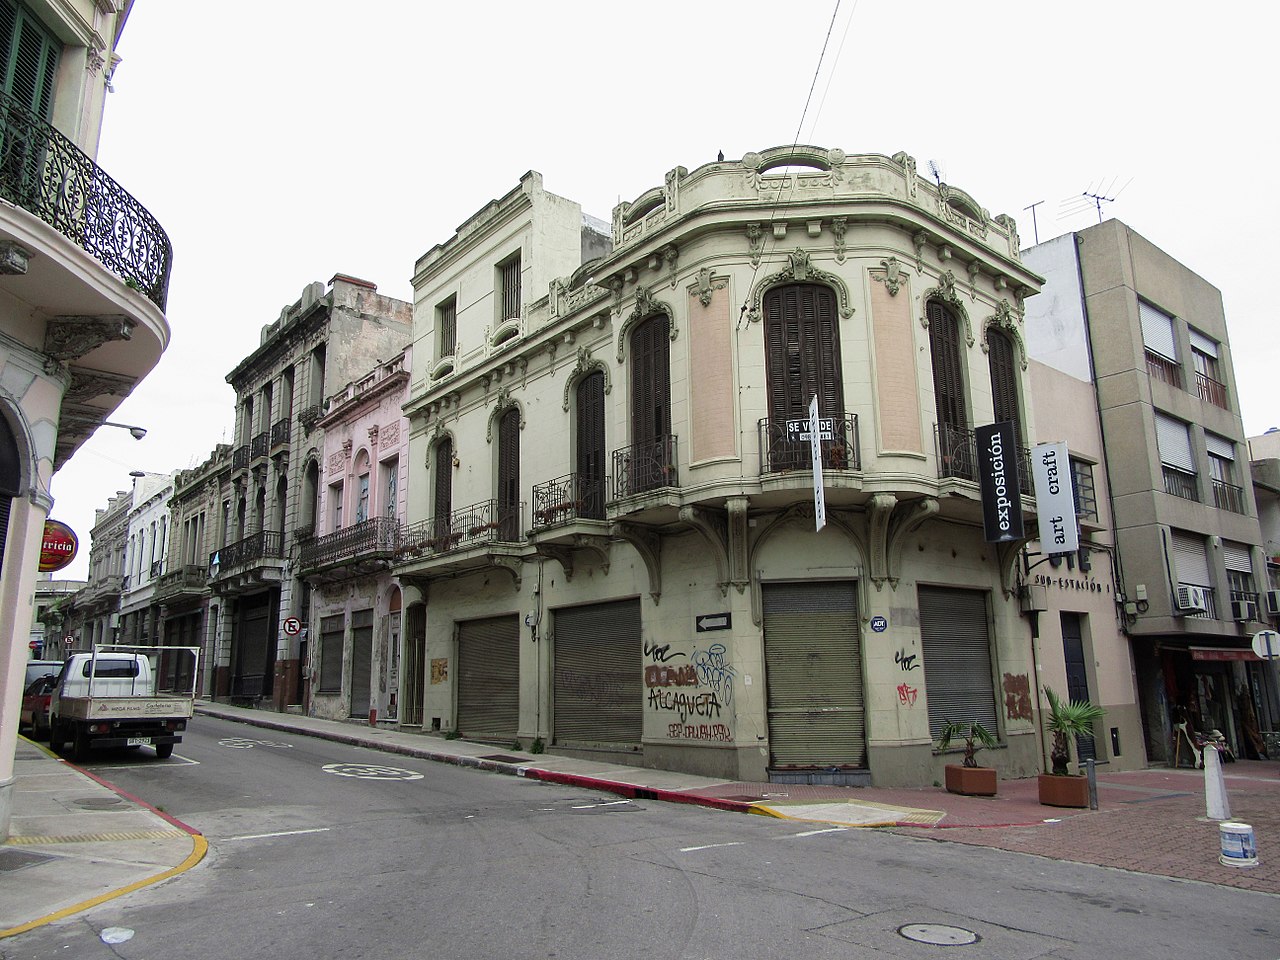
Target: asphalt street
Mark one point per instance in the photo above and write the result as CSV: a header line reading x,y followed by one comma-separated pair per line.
x,y
323,850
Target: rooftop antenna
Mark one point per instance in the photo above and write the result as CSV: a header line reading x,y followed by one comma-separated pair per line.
x,y
1034,226
1098,200
936,171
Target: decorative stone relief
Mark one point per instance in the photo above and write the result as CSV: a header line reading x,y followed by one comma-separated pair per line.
x,y
755,242
1006,320
14,259
389,435
838,227
87,384
69,338
581,368
671,256
909,172
800,269
946,292
891,276
646,306
1011,230
918,240
373,436
707,282
501,404
973,269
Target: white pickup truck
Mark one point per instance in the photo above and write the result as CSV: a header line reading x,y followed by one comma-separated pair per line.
x,y
113,697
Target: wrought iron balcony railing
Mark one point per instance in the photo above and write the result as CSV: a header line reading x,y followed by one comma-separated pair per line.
x,y
484,522
1227,496
649,465
1181,483
47,175
264,545
377,535
308,417
958,457
240,457
1210,603
574,497
784,444
185,578
280,432
1211,390
258,446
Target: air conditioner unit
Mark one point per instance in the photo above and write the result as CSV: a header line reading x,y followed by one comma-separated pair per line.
x,y
1191,599
1273,603
1244,610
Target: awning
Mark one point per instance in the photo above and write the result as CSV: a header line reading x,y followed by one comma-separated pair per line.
x,y
1223,653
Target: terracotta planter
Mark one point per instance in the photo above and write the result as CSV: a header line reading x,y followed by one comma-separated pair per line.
x,y
971,781
1064,791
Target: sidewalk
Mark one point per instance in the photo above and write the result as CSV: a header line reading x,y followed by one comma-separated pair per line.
x,y
75,834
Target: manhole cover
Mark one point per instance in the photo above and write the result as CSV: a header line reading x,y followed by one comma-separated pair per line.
x,y
11,860
939,934
98,803
503,758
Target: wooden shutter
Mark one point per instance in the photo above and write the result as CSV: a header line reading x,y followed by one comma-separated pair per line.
x,y
444,485
956,647
599,696
651,379
361,662
414,667
509,475
802,352
591,445
948,378
30,54
331,636
1004,379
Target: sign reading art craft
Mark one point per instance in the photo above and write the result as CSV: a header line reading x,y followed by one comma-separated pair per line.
x,y
58,547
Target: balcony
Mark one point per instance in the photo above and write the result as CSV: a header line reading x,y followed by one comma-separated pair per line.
x,y
476,525
1162,368
156,567
1211,390
359,550
1181,483
240,457
566,499
1210,603
187,580
258,447
958,458
785,446
280,433
310,416
51,178
1227,496
646,466
247,563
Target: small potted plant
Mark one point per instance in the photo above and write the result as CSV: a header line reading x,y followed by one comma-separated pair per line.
x,y
1067,719
967,777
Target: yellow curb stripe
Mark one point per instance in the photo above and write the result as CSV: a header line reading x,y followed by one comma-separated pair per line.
x,y
199,847
98,837
767,811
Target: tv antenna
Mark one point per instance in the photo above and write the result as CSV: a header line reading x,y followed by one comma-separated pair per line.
x,y
1034,226
1098,200
936,171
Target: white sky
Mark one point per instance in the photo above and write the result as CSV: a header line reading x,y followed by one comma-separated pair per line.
x,y
304,140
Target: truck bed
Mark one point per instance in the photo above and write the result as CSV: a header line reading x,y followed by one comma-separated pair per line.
x,y
117,708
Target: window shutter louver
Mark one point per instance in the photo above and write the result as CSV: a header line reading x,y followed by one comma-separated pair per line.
x,y
1202,343
1157,331
509,475
802,351
444,485
1175,443
591,444
1219,446
651,380
1004,380
1189,559
948,382
1236,556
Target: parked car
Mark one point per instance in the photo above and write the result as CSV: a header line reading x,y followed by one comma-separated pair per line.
x,y
41,668
35,706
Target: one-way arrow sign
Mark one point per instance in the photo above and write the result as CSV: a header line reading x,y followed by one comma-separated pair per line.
x,y
712,621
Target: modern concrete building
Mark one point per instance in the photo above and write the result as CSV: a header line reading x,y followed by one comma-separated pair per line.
x,y
84,275
331,336
1151,337
354,635
615,548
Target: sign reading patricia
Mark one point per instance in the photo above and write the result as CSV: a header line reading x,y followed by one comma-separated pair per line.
x,y
58,547
998,479
1055,499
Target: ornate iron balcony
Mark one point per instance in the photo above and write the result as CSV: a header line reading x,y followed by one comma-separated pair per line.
x,y
649,465
280,432
568,498
958,457
47,175
258,446
267,544
484,522
784,444
375,535
308,417
240,457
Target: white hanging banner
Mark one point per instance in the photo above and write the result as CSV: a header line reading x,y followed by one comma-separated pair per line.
x,y
815,452
1055,498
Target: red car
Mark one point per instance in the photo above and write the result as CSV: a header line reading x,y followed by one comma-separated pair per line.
x,y
35,705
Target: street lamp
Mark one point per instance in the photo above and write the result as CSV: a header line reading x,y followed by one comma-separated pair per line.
x,y
136,432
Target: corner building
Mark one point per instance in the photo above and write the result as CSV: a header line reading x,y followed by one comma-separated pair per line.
x,y
612,547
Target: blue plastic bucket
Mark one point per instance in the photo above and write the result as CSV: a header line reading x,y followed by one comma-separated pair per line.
x,y
1238,846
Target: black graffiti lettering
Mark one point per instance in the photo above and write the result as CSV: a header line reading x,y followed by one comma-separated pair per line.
x,y
905,660
685,705
660,654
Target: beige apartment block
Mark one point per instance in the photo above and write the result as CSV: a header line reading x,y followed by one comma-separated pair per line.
x,y
613,545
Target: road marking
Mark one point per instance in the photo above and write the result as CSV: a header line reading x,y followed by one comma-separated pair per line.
x,y
370,771
592,806
711,846
282,833
814,833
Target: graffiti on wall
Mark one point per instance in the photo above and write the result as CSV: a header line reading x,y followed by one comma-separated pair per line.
x,y
908,694
660,675
714,671
660,654
685,705
699,688
1017,696
905,660
704,731
604,686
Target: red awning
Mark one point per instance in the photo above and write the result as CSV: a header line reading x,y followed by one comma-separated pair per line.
x,y
1223,653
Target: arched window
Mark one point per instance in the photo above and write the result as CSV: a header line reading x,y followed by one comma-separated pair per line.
x,y
1004,379
509,475
650,462
955,448
802,360
590,445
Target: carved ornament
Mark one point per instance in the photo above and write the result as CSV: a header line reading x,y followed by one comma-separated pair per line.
x,y
800,269
581,368
69,338
646,306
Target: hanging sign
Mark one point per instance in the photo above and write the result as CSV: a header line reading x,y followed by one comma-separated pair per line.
x,y
815,451
1055,499
58,547
998,479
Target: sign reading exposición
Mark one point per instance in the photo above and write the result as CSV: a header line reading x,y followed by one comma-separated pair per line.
x,y
998,479
58,547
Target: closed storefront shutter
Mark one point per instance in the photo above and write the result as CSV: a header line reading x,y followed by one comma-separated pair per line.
x,y
331,633
956,645
599,693
414,666
489,678
1189,559
361,661
813,664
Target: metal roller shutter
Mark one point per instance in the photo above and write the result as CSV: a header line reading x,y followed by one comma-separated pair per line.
x,y
489,678
1189,559
1235,556
599,669
1202,343
1157,331
361,662
956,646
1219,446
1175,443
813,666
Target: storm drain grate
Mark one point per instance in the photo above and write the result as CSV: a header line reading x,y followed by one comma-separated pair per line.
x,y
503,758
11,860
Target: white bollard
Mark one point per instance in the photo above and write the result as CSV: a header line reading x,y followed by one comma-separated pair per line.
x,y
1217,807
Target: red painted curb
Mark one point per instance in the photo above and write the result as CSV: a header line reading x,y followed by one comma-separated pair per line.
x,y
632,791
130,797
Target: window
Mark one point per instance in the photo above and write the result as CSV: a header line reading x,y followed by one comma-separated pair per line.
x,y
509,475
447,325
509,289
802,360
331,643
1192,568
390,479
1204,357
1159,345
1086,501
956,454
648,464
30,59
444,486
335,497
1004,379
362,498
1177,460
1227,494
1236,557
590,443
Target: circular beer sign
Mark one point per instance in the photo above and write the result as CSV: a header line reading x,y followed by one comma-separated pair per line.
x,y
59,546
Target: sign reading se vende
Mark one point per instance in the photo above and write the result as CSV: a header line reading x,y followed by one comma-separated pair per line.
x,y
58,547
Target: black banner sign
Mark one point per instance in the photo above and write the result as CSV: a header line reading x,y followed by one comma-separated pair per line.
x,y
998,477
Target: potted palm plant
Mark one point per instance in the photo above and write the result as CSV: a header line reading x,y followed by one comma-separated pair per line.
x,y
1067,719
967,777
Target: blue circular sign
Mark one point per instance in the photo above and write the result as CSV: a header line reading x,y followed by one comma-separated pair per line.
x,y
879,624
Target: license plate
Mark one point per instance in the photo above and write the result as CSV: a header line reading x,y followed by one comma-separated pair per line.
x,y
138,742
